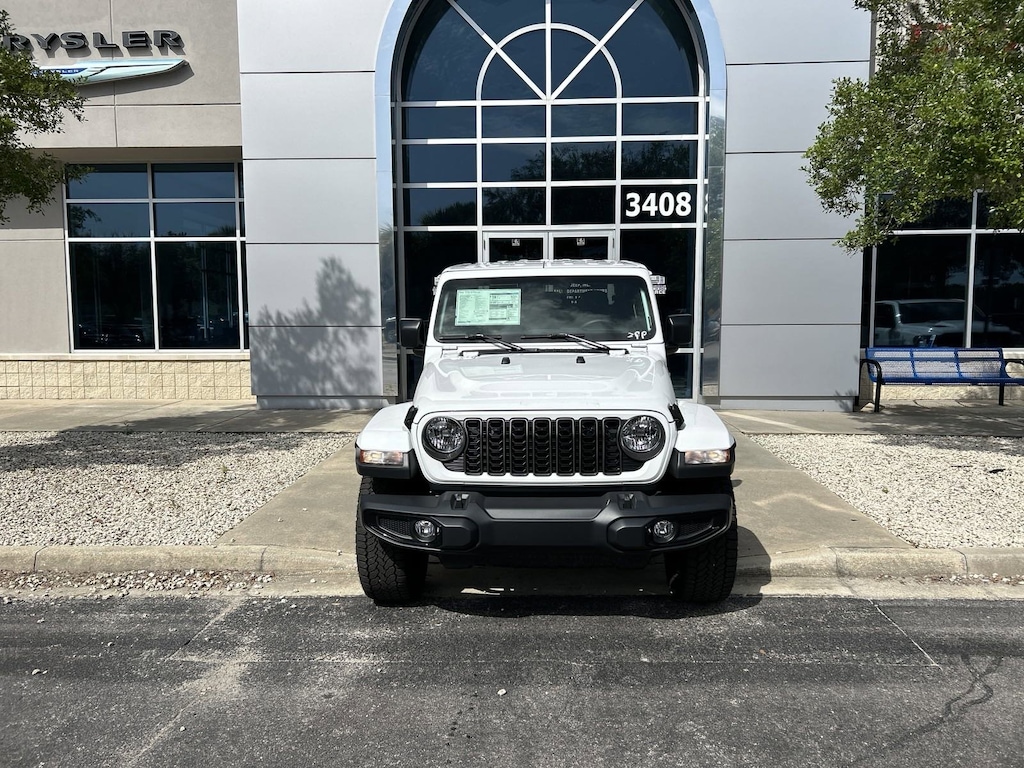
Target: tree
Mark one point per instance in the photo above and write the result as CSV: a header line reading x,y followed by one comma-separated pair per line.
x,y
32,102
941,116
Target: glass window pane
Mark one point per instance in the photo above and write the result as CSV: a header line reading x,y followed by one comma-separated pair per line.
x,y
515,248
444,57
999,291
580,247
527,51
425,163
514,206
922,284
583,162
195,219
659,119
582,205
108,220
513,122
513,162
567,51
503,82
194,180
111,182
949,214
670,253
583,120
197,286
112,295
426,254
500,18
439,122
595,81
595,18
659,160
654,52
440,207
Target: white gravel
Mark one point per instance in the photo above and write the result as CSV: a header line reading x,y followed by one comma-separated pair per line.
x,y
144,488
930,491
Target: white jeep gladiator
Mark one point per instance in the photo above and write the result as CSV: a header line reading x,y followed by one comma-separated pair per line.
x,y
544,430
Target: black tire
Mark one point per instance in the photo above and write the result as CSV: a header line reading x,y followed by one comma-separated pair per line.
x,y
705,573
389,575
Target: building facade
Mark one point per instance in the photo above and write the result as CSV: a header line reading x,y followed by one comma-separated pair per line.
x,y
254,218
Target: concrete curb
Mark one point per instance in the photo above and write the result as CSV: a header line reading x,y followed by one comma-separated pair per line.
x,y
875,562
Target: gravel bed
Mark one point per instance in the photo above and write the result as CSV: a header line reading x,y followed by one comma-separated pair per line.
x,y
144,488
933,492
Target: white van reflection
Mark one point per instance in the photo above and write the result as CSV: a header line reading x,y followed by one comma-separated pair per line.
x,y
936,323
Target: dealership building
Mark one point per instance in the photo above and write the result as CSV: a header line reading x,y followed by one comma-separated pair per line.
x,y
268,185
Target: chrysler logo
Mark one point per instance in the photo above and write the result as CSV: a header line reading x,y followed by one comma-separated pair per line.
x,y
108,70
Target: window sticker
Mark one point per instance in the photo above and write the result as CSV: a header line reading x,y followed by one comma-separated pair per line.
x,y
488,306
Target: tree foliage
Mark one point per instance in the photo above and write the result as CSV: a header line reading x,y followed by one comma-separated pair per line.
x,y
941,117
31,103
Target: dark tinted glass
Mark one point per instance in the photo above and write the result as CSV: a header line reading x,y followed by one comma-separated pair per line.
x,y
583,162
502,82
580,247
439,122
108,220
527,51
659,119
659,159
949,214
513,162
654,52
582,205
198,295
670,253
444,57
111,182
515,248
439,207
593,17
112,295
680,368
583,120
595,81
426,254
924,280
511,206
195,219
999,292
513,122
500,18
195,180
424,163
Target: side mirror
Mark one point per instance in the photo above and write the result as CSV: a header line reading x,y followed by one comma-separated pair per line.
x,y
679,331
411,333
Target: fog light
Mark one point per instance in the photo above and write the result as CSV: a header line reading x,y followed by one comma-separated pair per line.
x,y
425,530
663,531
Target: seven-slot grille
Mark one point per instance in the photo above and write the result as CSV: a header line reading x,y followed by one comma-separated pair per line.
x,y
543,447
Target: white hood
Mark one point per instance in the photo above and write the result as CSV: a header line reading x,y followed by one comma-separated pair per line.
x,y
556,382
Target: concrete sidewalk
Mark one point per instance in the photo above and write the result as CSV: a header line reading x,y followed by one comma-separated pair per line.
x,y
790,526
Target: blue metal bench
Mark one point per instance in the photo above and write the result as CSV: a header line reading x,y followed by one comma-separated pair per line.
x,y
937,365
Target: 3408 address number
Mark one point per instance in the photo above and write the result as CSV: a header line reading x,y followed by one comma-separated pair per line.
x,y
664,204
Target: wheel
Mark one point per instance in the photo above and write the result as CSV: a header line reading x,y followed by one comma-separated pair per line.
x,y
388,574
705,573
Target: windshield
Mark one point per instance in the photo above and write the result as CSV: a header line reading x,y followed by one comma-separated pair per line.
x,y
604,308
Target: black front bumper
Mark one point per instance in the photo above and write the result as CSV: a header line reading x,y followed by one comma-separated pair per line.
x,y
479,527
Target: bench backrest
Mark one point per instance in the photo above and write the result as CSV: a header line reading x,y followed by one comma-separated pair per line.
x,y
936,363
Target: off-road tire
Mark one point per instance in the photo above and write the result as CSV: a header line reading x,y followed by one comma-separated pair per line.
x,y
388,574
705,573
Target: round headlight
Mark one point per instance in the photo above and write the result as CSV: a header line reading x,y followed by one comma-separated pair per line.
x,y
642,437
444,438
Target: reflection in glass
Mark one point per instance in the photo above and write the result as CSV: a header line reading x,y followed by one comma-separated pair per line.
x,y
655,53
670,253
594,81
527,51
595,18
659,119
112,295
111,182
921,291
440,207
999,291
195,180
108,220
509,206
195,219
515,248
426,255
659,159
443,57
513,162
583,161
500,18
583,120
680,368
513,122
949,214
503,82
198,295
439,122
423,163
581,247
582,205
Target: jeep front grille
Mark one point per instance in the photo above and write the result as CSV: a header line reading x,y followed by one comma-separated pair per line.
x,y
543,447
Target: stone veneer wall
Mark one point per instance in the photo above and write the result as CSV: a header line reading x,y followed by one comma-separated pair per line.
x,y
55,377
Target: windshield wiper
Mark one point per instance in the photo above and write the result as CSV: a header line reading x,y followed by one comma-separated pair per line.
x,y
496,340
570,337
